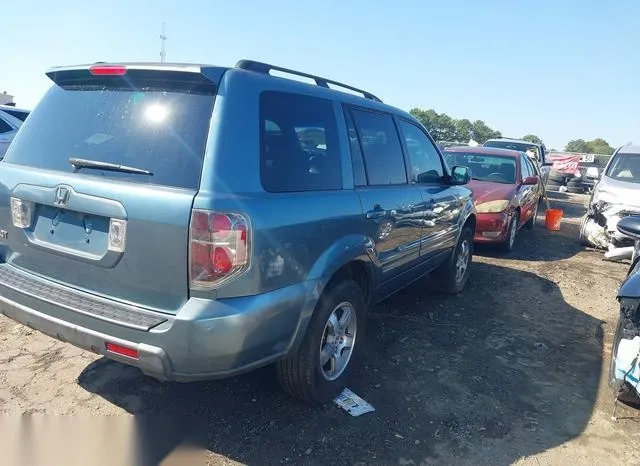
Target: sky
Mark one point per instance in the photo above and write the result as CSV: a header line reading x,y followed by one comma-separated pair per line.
x,y
560,69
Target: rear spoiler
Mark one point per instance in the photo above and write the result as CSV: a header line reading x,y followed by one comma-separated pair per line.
x,y
191,78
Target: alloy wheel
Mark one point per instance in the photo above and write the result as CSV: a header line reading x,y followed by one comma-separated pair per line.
x,y
338,340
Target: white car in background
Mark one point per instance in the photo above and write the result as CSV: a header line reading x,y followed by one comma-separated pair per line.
x,y
620,180
11,119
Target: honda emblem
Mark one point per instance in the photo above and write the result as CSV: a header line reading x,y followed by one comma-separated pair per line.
x,y
62,196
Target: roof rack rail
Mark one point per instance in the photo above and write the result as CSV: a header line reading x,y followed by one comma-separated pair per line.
x,y
264,68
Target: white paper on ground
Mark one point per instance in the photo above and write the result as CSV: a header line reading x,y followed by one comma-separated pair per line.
x,y
352,403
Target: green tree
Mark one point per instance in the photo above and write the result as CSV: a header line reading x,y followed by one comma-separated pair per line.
x,y
577,145
600,146
464,130
481,132
532,138
440,125
597,146
444,128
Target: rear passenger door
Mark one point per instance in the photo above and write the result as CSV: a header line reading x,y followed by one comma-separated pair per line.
x,y
393,207
426,169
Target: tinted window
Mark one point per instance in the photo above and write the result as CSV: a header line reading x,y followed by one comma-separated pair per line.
x,y
156,130
359,172
17,114
425,163
299,143
381,146
4,126
485,167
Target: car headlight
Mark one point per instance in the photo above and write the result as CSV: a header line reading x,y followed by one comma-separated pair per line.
x,y
492,207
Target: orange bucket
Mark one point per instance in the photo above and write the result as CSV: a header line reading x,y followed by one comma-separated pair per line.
x,y
553,219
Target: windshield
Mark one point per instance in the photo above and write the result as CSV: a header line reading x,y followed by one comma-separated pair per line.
x,y
156,130
493,168
625,167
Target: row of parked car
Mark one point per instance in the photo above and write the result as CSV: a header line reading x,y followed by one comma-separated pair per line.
x,y
199,221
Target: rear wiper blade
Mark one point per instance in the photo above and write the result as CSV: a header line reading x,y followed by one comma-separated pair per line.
x,y
84,163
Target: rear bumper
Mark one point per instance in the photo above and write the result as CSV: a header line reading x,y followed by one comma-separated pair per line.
x,y
206,339
491,228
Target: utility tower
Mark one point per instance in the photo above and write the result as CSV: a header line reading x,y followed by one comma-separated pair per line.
x,y
163,38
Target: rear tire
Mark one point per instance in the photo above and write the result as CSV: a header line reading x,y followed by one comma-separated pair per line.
x,y
302,374
453,275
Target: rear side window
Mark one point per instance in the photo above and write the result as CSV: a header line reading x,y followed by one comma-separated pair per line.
x,y
157,130
4,126
299,148
381,146
17,114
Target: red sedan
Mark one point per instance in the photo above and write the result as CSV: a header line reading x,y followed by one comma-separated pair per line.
x,y
506,188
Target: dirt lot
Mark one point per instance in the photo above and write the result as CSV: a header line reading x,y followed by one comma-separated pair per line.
x,y
512,371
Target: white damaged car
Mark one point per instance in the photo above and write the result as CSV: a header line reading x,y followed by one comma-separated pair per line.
x,y
615,195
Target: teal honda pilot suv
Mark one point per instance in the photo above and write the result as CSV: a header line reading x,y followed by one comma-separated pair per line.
x,y
201,221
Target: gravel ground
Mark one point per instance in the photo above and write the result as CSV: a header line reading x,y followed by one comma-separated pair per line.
x,y
511,371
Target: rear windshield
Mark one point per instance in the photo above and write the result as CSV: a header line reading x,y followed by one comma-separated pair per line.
x,y
155,130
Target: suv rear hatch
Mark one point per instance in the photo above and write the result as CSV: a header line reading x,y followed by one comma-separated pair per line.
x,y
101,179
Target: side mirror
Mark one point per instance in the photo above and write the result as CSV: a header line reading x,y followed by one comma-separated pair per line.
x,y
630,226
460,175
530,181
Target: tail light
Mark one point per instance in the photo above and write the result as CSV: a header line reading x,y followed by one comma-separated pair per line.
x,y
219,247
21,212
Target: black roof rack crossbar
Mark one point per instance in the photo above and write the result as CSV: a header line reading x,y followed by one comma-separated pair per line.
x,y
259,67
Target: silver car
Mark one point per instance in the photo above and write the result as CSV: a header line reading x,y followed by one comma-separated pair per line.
x,y
620,180
11,119
615,195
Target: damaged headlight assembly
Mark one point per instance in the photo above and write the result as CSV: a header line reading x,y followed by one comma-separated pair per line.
x,y
601,228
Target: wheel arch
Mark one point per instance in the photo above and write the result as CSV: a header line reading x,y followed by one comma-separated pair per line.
x,y
348,258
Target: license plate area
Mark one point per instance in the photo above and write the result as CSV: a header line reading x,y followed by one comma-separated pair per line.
x,y
70,231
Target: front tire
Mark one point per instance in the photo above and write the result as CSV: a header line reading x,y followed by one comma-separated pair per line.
x,y
510,241
318,371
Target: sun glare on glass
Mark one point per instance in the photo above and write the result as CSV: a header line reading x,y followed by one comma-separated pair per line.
x,y
156,113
